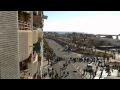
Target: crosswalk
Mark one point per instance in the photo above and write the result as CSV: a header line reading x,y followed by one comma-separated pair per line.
x,y
77,68
80,71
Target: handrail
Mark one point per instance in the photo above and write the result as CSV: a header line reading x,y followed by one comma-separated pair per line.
x,y
23,25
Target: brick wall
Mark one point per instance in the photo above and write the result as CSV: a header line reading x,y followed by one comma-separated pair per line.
x,y
9,56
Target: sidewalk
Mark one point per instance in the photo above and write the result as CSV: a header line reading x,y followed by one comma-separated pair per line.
x,y
45,69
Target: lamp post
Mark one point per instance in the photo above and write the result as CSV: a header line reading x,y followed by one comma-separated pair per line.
x,y
60,71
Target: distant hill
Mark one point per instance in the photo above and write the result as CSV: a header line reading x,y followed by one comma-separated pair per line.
x,y
61,32
67,32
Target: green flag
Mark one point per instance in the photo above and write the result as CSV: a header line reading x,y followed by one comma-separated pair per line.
x,y
36,47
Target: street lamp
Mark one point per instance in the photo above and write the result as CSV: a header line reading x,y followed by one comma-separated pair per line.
x,y
60,71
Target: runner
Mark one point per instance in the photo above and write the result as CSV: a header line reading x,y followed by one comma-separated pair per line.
x,y
63,73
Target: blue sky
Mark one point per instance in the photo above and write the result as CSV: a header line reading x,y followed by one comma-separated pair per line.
x,y
96,22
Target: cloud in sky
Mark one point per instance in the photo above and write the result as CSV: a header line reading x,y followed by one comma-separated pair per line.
x,y
96,24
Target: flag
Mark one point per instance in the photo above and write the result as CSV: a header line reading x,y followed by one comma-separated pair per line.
x,y
36,47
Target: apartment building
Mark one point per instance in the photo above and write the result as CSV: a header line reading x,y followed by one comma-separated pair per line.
x,y
20,32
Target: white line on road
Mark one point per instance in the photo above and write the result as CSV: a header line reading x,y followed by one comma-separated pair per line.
x,y
77,67
76,70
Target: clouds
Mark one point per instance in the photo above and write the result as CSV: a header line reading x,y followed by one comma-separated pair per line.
x,y
103,24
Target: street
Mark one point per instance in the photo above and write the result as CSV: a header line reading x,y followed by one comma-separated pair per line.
x,y
58,50
77,69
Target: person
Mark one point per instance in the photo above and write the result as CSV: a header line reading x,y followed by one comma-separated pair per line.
x,y
64,73
30,76
52,69
118,67
48,70
49,74
118,72
84,72
67,73
57,74
44,75
64,65
115,66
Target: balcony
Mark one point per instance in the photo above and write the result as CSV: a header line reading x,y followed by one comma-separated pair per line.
x,y
37,20
23,25
25,41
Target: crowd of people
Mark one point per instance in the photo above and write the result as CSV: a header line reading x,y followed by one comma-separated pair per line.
x,y
98,62
51,72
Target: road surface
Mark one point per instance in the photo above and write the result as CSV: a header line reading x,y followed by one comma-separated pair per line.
x,y
58,50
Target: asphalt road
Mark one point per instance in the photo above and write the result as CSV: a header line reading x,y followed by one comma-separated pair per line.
x,y
77,66
70,68
59,52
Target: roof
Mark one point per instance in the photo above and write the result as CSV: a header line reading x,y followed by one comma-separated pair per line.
x,y
111,77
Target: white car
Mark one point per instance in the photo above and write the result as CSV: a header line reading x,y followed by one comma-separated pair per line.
x,y
96,77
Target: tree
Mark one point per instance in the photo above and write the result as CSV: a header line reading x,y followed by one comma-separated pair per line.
x,y
49,51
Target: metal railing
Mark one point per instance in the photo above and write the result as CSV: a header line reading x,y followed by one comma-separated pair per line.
x,y
23,25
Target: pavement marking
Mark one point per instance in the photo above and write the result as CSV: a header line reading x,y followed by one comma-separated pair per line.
x,y
78,67
75,65
77,70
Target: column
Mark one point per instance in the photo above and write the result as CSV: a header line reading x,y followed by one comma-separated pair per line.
x,y
31,20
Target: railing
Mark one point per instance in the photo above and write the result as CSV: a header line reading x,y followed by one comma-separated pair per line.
x,y
23,25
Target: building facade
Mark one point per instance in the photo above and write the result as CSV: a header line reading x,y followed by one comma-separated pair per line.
x,y
19,31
